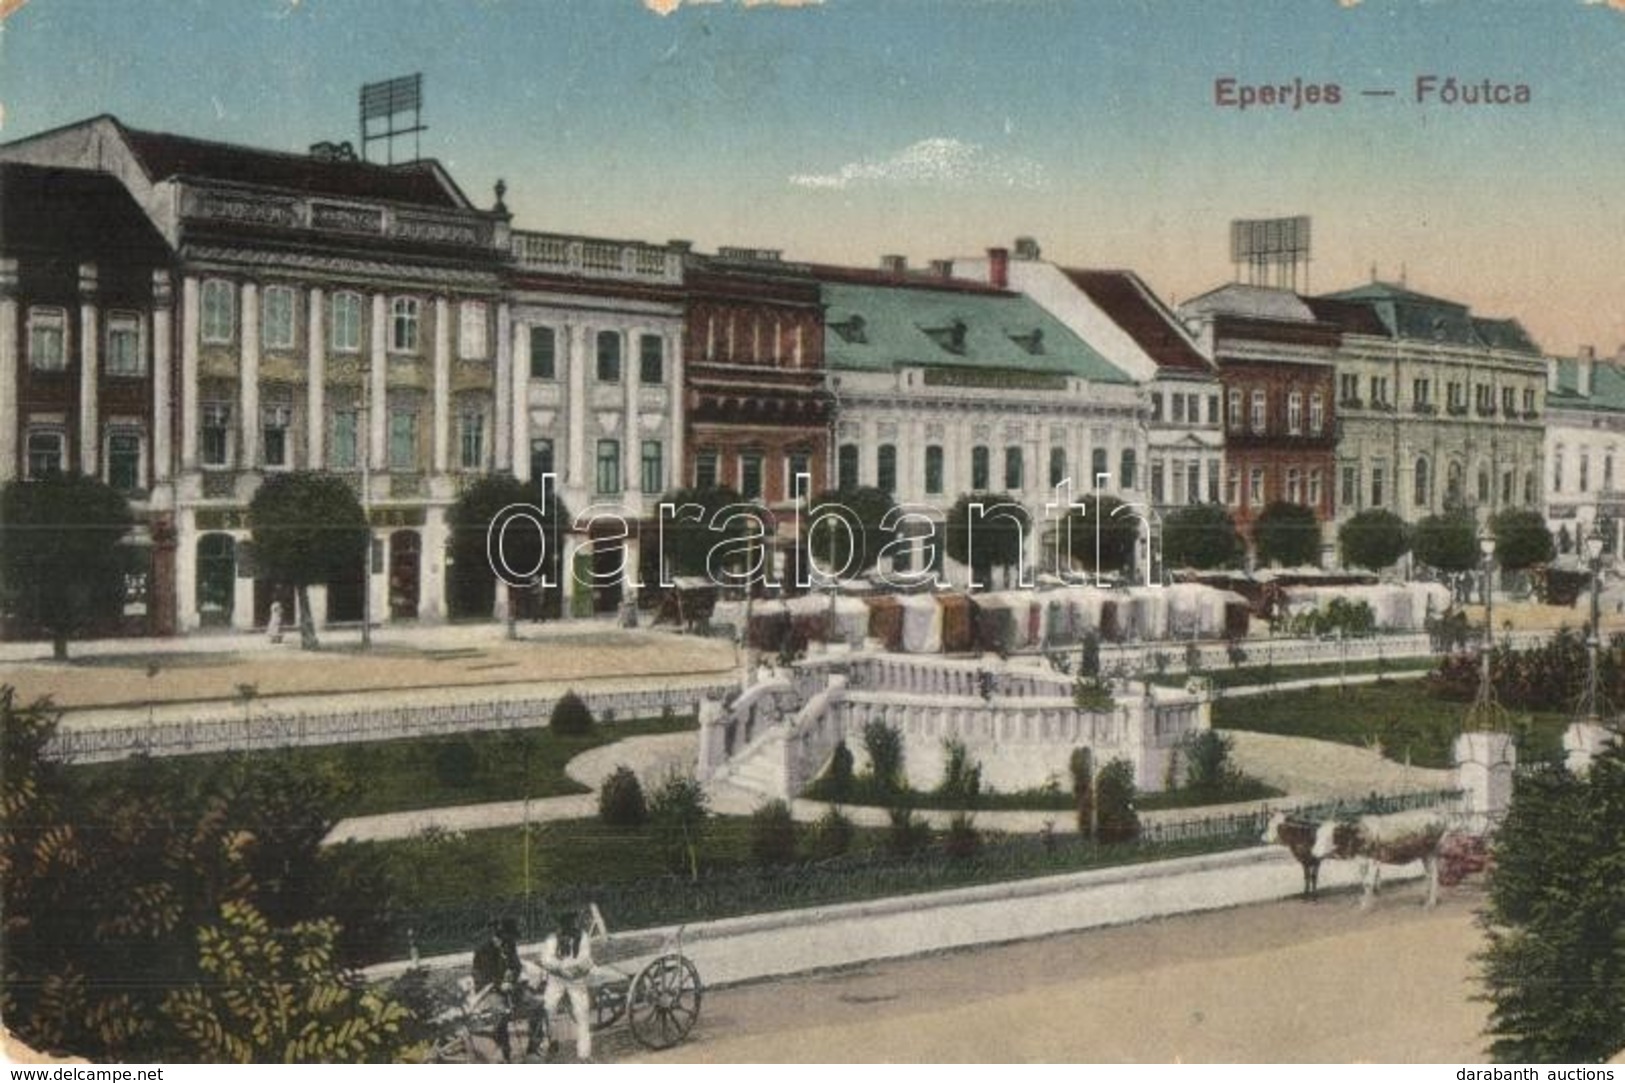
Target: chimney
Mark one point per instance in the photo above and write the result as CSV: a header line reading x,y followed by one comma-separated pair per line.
x,y
1026,248
942,268
894,264
1582,370
998,268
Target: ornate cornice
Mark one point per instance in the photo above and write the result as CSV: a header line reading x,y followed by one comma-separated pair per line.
x,y
349,268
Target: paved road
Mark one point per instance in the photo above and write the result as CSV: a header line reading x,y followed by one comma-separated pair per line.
x,y
1280,982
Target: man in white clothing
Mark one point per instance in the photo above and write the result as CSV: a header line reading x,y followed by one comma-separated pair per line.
x,y
567,958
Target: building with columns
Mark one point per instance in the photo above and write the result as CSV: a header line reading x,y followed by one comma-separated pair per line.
x,y
1585,438
324,314
85,334
944,387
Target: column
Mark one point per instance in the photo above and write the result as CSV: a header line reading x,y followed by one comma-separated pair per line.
x,y
442,385
9,419
521,401
163,345
248,378
377,385
316,385
186,567
577,409
432,580
505,453
632,441
677,411
90,370
189,366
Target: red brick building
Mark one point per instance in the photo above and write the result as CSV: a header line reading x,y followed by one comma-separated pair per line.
x,y
1277,367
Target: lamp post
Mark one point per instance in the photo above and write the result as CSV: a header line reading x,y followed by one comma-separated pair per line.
x,y
1590,709
1485,714
364,439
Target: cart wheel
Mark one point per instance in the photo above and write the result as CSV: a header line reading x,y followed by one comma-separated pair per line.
x,y
664,1002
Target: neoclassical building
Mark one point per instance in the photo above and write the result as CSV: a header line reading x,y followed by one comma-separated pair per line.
x,y
1585,438
944,387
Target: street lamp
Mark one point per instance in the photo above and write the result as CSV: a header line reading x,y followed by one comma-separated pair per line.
x,y
1589,708
1485,713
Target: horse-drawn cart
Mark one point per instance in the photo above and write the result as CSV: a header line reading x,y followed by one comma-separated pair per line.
x,y
644,978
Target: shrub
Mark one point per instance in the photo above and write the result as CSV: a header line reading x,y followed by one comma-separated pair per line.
x,y
620,800
1207,760
1118,820
456,763
885,747
1082,766
961,776
840,771
571,716
833,834
908,834
678,810
772,834
963,840
1089,654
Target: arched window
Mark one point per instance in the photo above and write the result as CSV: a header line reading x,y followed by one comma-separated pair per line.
x,y
1420,498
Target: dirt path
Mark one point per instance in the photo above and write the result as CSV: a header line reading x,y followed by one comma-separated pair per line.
x,y
1283,982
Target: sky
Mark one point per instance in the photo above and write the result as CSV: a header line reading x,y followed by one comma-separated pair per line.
x,y
848,129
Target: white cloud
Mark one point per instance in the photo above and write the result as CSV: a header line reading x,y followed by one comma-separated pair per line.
x,y
666,7
938,162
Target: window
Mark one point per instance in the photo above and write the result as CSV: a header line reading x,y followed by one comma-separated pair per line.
x,y
750,475
342,454
219,303
403,440
1453,484
274,425
1294,413
1193,483
1260,405
1314,489
216,450
609,356
798,463
1420,496
1529,487
1506,487
1585,471
1057,466
1126,470
1348,388
1235,410
1156,406
846,467
1014,475
1099,468
1232,487
1557,469
1213,409
1379,390
1351,487
609,466
1317,414
933,469
276,318
344,331
123,344
1179,407
124,460
1509,401
1607,471
651,359
541,460
471,440
1255,487
543,354
1419,391
1483,485
473,330
47,453
1529,402
47,340
403,324
705,470
1156,482
981,469
1377,493
1294,486
1213,481
886,468
653,471
1455,397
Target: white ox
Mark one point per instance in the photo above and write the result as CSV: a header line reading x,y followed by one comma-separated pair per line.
x,y
1395,839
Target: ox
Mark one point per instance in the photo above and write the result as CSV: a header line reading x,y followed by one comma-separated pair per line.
x,y
1297,836
1396,839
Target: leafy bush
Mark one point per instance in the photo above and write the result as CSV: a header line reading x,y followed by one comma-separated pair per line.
x,y
1352,619
571,716
1207,760
678,810
1093,694
620,800
772,834
833,834
1089,654
456,764
908,834
1082,766
884,744
961,776
963,840
839,773
1118,820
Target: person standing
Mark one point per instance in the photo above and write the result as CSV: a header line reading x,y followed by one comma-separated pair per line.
x,y
273,626
567,959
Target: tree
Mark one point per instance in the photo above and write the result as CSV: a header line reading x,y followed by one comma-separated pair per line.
x,y
1287,534
1521,538
884,744
1108,518
308,528
862,510
686,543
61,567
1201,536
1555,965
1115,799
1446,543
678,810
1082,766
472,581
991,540
1374,539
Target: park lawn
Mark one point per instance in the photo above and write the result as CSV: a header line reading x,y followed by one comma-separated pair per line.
x,y
1411,724
425,772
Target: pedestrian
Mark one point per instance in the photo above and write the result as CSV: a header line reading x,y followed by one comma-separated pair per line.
x,y
498,973
567,958
273,627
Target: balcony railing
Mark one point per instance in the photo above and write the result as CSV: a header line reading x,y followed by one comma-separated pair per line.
x,y
624,260
425,225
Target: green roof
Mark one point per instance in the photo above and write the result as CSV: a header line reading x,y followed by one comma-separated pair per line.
x,y
1607,385
878,328
1416,316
